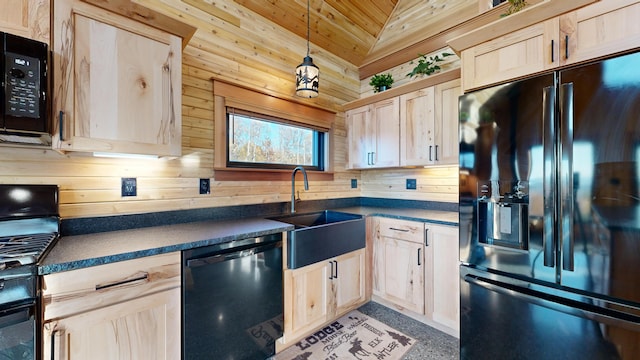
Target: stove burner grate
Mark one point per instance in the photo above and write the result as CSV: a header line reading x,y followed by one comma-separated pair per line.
x,y
25,246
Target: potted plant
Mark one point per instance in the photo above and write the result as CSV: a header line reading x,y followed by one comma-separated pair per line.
x,y
428,66
515,6
381,82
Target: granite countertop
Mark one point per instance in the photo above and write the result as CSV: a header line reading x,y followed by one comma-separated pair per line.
x,y
80,251
421,215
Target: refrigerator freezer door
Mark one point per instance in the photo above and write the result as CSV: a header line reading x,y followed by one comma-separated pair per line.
x,y
502,175
600,107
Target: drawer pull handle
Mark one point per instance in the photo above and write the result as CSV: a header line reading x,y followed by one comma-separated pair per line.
x,y
396,229
140,277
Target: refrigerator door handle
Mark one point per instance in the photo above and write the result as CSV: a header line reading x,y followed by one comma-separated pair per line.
x,y
549,178
566,177
565,305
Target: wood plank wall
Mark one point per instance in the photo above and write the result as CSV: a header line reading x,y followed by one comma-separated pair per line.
x,y
234,45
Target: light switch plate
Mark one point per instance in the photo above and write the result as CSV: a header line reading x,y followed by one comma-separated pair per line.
x,y
129,187
411,184
205,186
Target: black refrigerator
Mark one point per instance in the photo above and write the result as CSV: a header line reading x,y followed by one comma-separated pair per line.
x,y
550,215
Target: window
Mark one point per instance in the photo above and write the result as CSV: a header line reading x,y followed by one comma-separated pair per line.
x,y
261,137
260,141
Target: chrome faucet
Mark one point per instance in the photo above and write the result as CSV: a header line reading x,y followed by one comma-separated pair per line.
x,y
293,186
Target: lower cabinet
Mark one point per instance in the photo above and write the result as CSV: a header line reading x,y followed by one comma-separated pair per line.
x,y
122,310
398,263
443,281
321,292
415,270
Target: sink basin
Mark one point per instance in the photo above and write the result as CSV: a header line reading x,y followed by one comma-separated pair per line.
x,y
322,235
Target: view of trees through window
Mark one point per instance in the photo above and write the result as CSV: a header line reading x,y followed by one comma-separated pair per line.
x,y
260,141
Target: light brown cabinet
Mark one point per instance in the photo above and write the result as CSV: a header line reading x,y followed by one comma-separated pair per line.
x,y
429,125
117,83
321,292
26,18
523,52
123,310
373,135
600,29
442,289
399,263
415,268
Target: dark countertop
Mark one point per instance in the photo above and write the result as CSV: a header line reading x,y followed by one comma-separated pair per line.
x,y
80,251
420,215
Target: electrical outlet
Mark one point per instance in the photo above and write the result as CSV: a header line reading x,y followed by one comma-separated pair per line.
x,y
205,186
411,184
129,187
354,183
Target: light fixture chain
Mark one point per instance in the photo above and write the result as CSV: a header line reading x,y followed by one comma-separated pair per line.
x,y
308,24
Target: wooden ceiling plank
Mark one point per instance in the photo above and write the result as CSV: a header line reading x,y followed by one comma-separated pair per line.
x,y
349,9
214,11
405,40
291,15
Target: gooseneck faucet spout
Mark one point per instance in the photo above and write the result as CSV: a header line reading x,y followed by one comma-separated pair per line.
x,y
293,186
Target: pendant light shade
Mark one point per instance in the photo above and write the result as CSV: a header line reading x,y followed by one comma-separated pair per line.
x,y
307,73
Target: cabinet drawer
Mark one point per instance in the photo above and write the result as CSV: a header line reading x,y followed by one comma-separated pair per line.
x,y
401,229
72,292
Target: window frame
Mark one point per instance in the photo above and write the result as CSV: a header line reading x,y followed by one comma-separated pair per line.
x,y
320,143
287,110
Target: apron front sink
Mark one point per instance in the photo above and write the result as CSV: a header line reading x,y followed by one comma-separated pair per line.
x,y
322,235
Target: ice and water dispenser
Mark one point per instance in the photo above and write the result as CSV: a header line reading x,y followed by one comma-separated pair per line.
x,y
503,212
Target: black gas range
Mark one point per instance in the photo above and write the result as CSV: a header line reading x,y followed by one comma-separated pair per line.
x,y
29,227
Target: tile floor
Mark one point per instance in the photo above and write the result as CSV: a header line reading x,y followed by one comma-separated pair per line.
x,y
432,343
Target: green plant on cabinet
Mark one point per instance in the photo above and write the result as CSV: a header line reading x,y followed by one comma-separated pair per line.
x,y
381,82
427,66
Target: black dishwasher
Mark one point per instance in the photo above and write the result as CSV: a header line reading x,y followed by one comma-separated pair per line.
x,y
232,299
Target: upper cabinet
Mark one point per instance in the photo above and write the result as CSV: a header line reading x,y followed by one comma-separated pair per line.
x,y
26,18
601,29
526,51
429,125
373,133
118,83
412,125
579,34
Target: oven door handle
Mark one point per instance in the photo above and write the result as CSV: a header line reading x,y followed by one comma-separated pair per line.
x,y
214,259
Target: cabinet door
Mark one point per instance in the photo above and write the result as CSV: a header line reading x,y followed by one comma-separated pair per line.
x,y
386,119
306,298
523,52
417,128
446,123
117,83
443,277
360,137
348,281
143,328
398,263
26,18
600,29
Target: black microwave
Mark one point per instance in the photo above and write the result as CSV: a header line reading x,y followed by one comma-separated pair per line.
x,y
23,91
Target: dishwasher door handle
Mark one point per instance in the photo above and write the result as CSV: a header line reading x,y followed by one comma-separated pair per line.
x,y
213,259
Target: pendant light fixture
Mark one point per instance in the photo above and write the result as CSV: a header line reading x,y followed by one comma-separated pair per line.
x,y
307,73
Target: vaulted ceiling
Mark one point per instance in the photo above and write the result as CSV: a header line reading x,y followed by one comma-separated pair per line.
x,y
363,31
